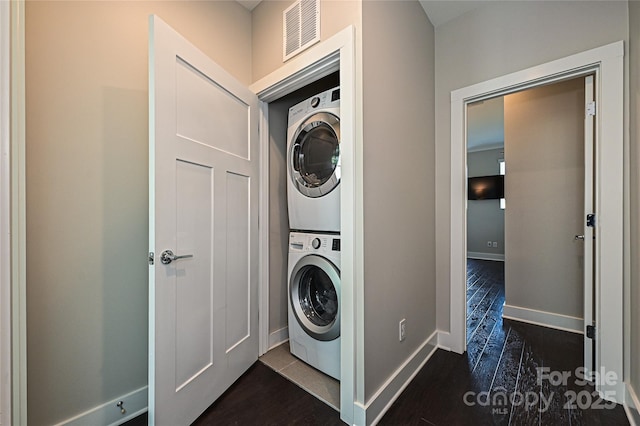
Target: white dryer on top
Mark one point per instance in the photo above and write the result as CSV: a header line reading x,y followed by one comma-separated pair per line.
x,y
313,163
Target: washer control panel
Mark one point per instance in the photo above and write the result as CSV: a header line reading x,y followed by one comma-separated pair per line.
x,y
320,243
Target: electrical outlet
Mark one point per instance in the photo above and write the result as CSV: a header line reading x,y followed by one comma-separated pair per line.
x,y
488,243
495,244
403,329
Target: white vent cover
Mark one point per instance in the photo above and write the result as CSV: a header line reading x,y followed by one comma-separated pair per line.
x,y
301,27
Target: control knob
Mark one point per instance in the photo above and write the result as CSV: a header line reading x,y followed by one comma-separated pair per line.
x,y
315,243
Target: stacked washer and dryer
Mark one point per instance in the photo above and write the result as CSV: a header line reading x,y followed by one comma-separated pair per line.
x,y
313,195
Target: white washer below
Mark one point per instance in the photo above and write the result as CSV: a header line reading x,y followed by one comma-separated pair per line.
x,y
314,300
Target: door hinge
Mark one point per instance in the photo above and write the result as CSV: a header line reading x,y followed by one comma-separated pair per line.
x,y
151,258
591,331
591,108
591,220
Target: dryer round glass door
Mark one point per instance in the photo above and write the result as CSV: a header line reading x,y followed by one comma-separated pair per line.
x,y
314,293
314,155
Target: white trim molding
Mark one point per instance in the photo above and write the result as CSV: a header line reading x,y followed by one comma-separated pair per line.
x,y
264,339
632,406
18,217
5,214
336,53
278,337
371,412
113,413
542,318
607,63
485,256
444,340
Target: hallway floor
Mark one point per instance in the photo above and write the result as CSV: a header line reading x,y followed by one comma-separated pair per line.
x,y
510,375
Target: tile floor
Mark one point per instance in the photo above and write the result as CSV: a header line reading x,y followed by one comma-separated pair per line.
x,y
323,387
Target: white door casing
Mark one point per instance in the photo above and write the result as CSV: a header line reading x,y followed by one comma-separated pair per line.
x,y
588,252
5,217
336,52
203,201
607,63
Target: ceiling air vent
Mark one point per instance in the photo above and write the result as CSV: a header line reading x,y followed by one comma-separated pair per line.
x,y
301,27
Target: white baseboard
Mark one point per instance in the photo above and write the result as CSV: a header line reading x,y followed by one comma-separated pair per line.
x,y
278,337
444,340
545,319
632,406
485,256
134,403
371,412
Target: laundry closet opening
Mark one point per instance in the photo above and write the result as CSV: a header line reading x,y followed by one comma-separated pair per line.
x,y
278,357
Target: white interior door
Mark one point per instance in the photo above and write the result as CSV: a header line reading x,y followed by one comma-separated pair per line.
x,y
589,210
549,192
203,162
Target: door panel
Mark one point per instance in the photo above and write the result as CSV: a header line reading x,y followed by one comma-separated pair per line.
x,y
209,114
238,260
544,191
549,152
203,182
194,209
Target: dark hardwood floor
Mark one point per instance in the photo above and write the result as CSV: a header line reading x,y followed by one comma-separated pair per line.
x,y
263,397
496,382
500,379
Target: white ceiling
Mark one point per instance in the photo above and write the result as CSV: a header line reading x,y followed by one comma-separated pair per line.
x,y
441,11
249,4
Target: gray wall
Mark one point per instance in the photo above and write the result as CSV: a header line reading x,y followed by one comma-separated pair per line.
x,y
398,167
544,151
634,299
485,218
87,186
278,215
398,84
267,29
492,41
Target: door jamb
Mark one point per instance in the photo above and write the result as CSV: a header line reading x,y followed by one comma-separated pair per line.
x,y
16,257
336,53
607,62
5,216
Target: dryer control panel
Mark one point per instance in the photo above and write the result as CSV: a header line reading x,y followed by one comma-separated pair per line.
x,y
327,99
308,242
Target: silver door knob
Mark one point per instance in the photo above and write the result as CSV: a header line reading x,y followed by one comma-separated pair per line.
x,y
167,257
579,237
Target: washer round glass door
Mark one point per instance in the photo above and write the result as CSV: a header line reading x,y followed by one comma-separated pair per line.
x,y
314,294
314,155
